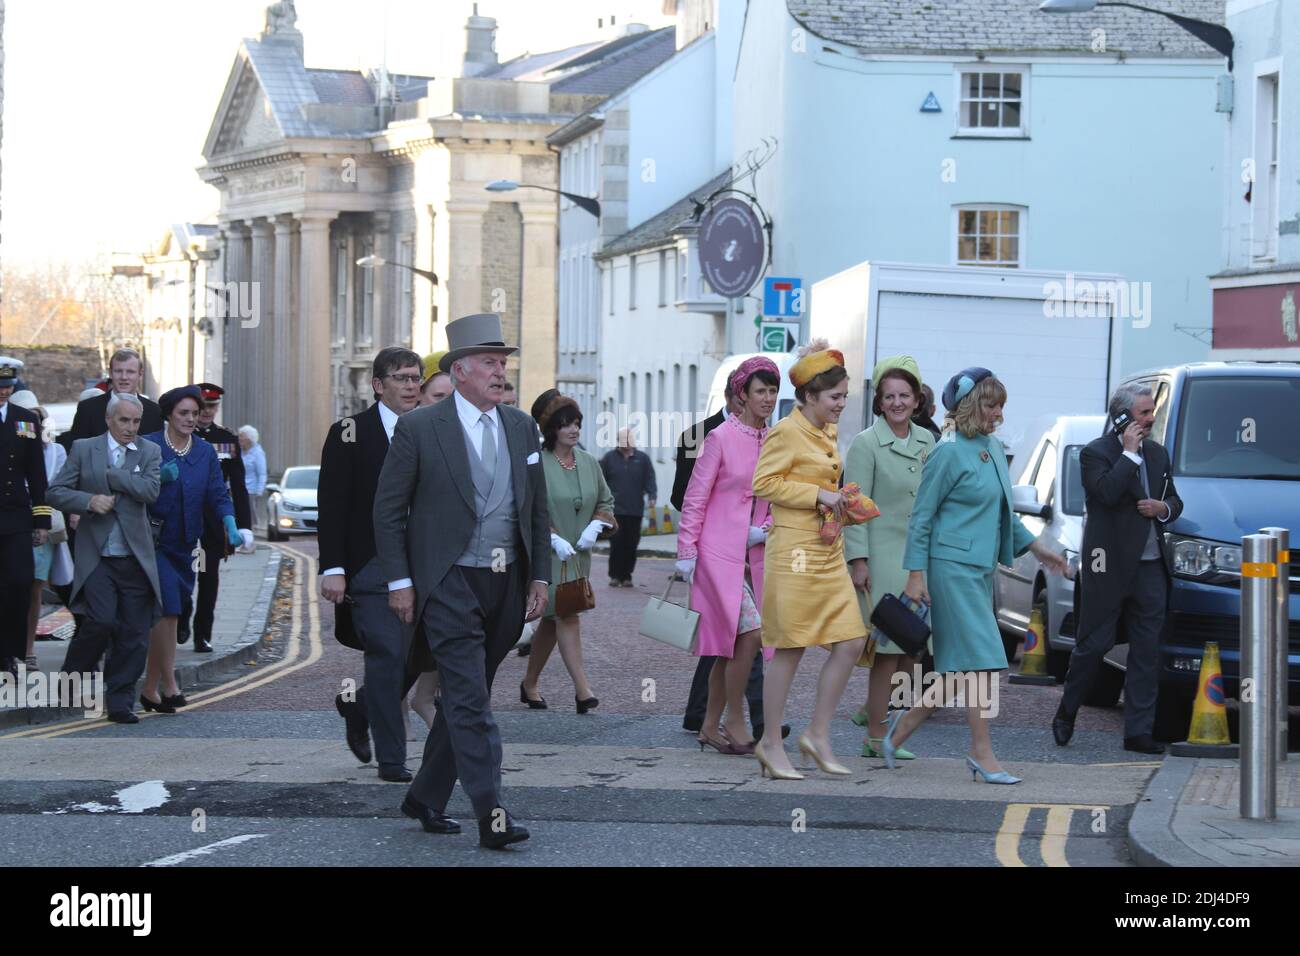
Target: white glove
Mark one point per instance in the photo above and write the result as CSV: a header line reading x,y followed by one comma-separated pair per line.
x,y
686,568
588,536
563,550
248,540
756,536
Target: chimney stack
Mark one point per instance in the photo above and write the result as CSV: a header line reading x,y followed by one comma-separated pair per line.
x,y
480,45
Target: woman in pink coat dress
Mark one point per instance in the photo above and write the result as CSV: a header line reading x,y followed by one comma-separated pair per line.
x,y
720,541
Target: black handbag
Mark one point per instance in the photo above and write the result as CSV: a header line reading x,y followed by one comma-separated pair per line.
x,y
901,625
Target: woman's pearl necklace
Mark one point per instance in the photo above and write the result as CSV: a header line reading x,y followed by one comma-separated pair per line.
x,y
573,461
180,452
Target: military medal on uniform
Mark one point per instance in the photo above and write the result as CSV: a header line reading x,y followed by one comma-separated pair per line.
x,y
25,429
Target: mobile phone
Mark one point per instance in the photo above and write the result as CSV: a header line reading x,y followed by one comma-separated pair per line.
x,y
1121,422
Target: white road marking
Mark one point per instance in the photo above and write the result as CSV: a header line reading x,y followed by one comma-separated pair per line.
x,y
176,858
134,799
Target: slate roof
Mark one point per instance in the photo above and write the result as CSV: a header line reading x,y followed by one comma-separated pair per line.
x,y
621,66
970,26
659,228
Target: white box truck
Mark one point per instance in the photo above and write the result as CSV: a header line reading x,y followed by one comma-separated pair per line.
x,y
1051,337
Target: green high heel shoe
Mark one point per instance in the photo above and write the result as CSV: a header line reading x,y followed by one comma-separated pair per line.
x,y
860,718
871,748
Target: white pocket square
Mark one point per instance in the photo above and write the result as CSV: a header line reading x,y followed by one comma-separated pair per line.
x,y
532,459
135,470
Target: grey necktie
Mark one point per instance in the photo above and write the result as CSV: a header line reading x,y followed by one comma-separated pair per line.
x,y
117,456
489,453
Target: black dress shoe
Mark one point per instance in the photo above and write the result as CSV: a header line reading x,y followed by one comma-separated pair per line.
x,y
524,649
498,830
533,704
395,775
357,728
182,636
693,726
431,820
201,646
162,706
585,705
123,717
1062,728
1143,744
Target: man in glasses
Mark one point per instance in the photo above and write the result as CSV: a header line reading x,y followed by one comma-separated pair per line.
x,y
351,461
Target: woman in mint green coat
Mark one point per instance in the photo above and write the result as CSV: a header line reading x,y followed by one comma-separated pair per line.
x,y
961,528
885,461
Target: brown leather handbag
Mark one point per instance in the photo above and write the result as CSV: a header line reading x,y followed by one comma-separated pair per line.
x,y
573,596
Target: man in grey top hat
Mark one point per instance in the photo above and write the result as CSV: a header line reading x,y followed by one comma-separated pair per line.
x,y
463,539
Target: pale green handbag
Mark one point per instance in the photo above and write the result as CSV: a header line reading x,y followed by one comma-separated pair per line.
x,y
670,623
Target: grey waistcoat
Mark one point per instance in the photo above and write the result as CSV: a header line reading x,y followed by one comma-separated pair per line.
x,y
497,522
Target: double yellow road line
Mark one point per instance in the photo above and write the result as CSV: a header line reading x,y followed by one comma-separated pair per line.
x,y
304,649
1055,833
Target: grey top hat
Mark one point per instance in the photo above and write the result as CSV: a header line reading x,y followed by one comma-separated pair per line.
x,y
472,334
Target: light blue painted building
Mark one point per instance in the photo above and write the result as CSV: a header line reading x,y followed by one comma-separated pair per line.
x,y
1257,293
982,132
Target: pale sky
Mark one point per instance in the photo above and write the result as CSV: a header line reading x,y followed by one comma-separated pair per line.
x,y
108,102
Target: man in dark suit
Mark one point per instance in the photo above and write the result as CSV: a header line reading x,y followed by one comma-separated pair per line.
x,y
125,370
352,577
463,536
215,548
1124,572
24,515
688,449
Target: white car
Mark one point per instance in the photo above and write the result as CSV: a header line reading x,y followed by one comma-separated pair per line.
x,y
1047,494
291,507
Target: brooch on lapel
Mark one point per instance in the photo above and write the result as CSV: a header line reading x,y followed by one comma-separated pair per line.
x,y
984,456
924,452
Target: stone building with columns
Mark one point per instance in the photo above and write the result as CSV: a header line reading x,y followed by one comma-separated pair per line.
x,y
318,168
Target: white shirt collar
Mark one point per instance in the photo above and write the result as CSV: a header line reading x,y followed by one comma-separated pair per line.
x,y
114,443
389,419
469,415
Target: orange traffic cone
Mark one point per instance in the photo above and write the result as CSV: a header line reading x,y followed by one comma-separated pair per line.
x,y
1033,659
668,521
1209,725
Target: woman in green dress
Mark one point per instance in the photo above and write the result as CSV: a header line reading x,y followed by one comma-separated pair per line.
x,y
885,460
581,505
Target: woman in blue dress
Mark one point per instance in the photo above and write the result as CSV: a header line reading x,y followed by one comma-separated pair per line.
x,y
192,488
962,527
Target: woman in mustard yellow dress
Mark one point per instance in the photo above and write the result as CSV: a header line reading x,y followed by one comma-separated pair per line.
x,y
808,597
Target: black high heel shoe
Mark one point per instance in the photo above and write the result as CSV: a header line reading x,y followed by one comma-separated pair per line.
x,y
175,700
538,704
160,706
586,705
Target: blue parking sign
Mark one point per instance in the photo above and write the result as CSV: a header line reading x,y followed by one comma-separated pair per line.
x,y
782,297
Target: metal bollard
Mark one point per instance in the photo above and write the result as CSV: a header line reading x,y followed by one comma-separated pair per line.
x,y
1281,594
1258,727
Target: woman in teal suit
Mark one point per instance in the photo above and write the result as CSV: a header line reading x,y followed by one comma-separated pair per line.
x,y
962,527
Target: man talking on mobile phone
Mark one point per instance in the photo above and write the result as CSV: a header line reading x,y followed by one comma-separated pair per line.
x,y
1123,570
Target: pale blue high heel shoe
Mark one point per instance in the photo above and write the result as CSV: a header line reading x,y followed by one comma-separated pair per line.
x,y
887,749
1000,777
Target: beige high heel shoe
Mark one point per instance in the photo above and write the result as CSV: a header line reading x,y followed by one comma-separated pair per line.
x,y
827,766
765,768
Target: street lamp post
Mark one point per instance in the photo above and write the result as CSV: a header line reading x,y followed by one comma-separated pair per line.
x,y
583,202
1215,35
370,262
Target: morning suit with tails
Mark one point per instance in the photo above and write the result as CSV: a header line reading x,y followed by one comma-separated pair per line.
x,y
460,515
